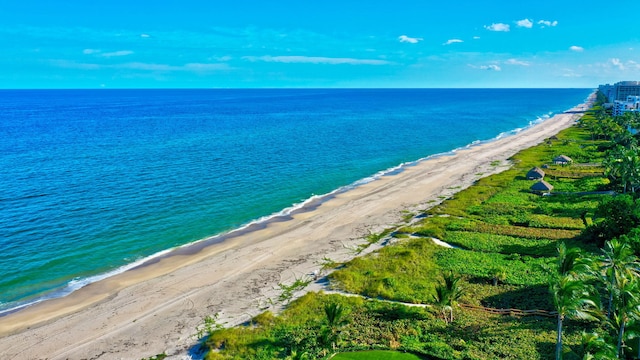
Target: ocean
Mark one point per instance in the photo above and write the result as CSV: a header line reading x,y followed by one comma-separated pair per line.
x,y
94,182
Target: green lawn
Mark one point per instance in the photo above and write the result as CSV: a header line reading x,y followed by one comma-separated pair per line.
x,y
376,355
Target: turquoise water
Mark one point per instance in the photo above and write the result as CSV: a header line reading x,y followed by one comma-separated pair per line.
x,y
94,180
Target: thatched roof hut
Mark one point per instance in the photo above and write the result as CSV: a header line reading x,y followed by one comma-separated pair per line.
x,y
562,160
535,174
541,187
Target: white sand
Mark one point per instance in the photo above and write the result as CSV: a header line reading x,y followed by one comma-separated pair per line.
x,y
157,308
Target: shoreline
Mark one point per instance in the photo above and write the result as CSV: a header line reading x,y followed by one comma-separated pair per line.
x,y
157,306
309,204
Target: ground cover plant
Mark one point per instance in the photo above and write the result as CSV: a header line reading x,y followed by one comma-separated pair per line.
x,y
377,355
507,256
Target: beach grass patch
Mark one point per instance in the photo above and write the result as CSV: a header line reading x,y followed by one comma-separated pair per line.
x,y
553,222
404,272
479,266
567,205
502,244
523,231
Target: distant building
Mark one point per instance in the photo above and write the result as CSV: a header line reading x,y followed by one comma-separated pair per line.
x,y
535,174
631,103
541,187
620,90
608,91
562,160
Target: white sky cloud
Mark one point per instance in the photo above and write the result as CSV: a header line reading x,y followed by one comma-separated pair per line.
x,y
145,35
576,48
405,38
617,63
190,67
476,37
525,23
107,54
498,27
205,67
222,58
452,41
517,62
629,66
147,66
117,53
548,23
491,67
316,60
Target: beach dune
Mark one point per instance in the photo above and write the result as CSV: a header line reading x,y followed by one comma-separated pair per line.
x,y
158,307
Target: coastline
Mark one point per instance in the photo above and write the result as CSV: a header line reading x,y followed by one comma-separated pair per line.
x,y
157,307
308,204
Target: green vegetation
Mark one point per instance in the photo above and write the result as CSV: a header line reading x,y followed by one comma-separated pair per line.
x,y
514,250
157,357
395,277
287,291
376,355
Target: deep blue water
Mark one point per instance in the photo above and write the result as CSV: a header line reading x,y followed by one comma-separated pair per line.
x,y
93,180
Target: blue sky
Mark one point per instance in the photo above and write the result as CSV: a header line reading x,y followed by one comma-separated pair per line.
x,y
313,43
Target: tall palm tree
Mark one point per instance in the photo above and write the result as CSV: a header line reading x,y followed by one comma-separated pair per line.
x,y
572,299
628,303
617,262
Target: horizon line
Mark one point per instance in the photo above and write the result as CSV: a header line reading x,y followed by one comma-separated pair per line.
x,y
286,88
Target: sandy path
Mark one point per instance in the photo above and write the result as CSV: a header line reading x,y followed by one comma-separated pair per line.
x,y
158,308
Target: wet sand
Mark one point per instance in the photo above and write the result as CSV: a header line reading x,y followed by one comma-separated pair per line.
x,y
157,308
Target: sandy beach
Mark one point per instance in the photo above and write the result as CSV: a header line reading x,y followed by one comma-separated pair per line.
x,y
158,307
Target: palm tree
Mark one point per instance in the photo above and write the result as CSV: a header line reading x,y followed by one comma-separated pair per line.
x,y
572,299
632,331
618,261
570,262
335,316
595,347
623,165
447,294
572,296
628,303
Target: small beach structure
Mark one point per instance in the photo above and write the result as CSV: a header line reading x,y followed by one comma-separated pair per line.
x,y
535,174
541,187
562,160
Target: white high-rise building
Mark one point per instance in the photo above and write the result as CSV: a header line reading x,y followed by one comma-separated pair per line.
x,y
632,103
